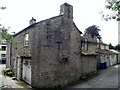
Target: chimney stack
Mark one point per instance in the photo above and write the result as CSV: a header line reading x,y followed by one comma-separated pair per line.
x,y
67,10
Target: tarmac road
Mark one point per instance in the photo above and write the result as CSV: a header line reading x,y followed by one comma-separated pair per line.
x,y
107,78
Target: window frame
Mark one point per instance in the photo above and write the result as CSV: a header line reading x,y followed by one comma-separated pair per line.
x,y
26,39
4,48
3,55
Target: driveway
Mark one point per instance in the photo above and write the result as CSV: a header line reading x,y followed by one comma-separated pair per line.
x,y
107,78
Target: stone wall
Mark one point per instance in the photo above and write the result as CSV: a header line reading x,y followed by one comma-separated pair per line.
x,y
8,63
18,49
89,64
118,58
92,47
55,53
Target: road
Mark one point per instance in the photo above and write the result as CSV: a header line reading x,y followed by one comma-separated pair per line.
x,y
107,78
7,82
2,66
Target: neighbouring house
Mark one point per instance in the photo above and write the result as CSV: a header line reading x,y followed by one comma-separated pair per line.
x,y
88,55
96,46
3,49
115,59
48,53
119,58
106,55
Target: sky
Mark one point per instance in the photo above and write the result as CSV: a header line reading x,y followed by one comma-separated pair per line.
x,y
85,13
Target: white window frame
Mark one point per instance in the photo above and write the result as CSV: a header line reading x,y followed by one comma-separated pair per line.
x,y
26,40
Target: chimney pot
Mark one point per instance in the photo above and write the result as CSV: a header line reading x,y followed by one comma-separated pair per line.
x,y
32,21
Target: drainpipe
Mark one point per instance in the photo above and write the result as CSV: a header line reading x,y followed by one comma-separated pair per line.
x,y
10,54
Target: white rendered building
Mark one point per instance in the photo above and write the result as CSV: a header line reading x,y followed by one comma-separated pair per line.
x,y
3,49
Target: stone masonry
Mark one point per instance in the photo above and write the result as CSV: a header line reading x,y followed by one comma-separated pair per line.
x,y
54,51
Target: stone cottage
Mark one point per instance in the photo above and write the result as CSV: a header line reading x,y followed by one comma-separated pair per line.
x,y
88,55
48,53
95,46
107,55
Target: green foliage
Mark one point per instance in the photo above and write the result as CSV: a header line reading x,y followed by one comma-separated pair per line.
x,y
117,47
93,31
111,46
114,6
5,35
8,72
2,7
4,32
8,69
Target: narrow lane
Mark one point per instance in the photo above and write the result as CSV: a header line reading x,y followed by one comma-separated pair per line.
x,y
2,66
107,78
6,82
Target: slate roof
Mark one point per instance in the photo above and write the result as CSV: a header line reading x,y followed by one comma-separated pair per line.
x,y
33,25
77,28
105,51
89,54
89,40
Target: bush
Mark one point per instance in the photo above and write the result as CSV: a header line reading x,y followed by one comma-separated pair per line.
x,y
8,72
8,69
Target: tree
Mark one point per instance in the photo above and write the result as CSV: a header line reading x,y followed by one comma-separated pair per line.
x,y
93,31
114,6
5,35
117,47
4,32
111,46
2,7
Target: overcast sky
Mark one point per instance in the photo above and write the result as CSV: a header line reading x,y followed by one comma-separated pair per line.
x,y
86,13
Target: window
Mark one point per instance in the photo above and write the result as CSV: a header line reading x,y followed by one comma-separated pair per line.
x,y
26,41
3,55
107,47
3,41
3,48
97,46
84,45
